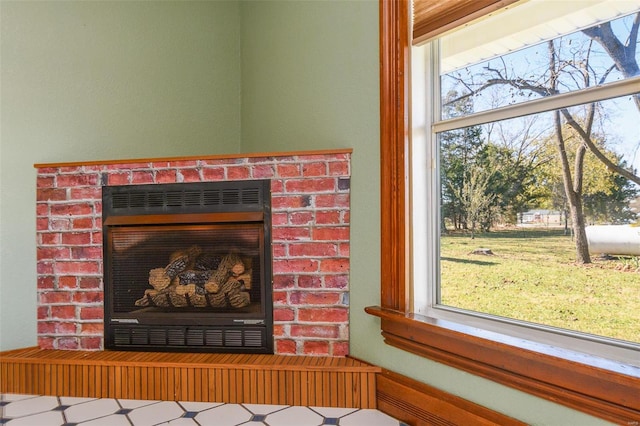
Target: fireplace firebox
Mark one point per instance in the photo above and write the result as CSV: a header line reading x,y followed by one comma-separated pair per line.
x,y
187,267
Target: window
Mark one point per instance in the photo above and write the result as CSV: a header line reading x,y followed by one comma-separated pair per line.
x,y
458,337
505,111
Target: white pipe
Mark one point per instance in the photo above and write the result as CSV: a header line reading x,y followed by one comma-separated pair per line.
x,y
614,239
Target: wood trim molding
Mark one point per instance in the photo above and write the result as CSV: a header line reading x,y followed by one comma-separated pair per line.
x,y
592,389
588,388
394,125
196,157
435,17
418,404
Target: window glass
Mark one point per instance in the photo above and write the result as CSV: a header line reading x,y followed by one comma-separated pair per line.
x,y
538,218
507,243
565,64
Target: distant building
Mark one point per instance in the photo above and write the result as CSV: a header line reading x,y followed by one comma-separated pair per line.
x,y
541,218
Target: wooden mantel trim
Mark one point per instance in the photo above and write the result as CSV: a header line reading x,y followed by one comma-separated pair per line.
x,y
197,157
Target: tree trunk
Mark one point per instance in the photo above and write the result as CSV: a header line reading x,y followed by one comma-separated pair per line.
x,y
579,232
573,191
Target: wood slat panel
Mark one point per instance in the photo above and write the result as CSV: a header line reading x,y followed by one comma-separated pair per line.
x,y
232,378
257,379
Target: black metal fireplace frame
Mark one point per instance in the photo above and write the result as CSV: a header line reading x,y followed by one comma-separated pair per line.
x,y
199,203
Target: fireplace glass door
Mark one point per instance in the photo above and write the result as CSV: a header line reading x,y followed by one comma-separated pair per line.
x,y
188,281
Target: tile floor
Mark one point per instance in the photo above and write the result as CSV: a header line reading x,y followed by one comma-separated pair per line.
x,y
34,410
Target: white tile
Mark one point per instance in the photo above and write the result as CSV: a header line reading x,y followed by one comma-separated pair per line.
x,y
264,408
69,400
224,415
49,418
135,403
112,420
295,416
199,406
31,410
333,412
156,413
369,418
91,410
181,422
27,406
15,396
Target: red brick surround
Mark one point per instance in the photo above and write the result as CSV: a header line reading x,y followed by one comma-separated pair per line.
x,y
310,243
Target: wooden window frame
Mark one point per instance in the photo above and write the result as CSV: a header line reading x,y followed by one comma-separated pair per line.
x,y
592,387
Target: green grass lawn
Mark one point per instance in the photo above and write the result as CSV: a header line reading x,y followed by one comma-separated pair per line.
x,y
532,276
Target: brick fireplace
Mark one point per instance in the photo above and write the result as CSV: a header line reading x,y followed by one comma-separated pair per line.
x,y
310,243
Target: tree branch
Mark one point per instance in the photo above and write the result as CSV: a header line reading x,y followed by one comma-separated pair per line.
x,y
622,55
594,149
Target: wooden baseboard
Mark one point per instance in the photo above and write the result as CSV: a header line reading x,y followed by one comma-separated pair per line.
x,y
418,404
230,378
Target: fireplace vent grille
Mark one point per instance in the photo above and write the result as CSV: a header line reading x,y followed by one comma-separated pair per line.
x,y
147,199
188,337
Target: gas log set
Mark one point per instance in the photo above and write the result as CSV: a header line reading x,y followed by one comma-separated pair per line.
x,y
193,278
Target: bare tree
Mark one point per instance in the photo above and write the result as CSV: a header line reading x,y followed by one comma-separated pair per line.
x,y
572,184
580,72
624,58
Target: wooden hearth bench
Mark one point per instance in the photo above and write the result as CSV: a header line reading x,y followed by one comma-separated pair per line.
x,y
204,377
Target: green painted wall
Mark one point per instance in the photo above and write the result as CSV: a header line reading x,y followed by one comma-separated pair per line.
x,y
309,80
85,80
310,76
